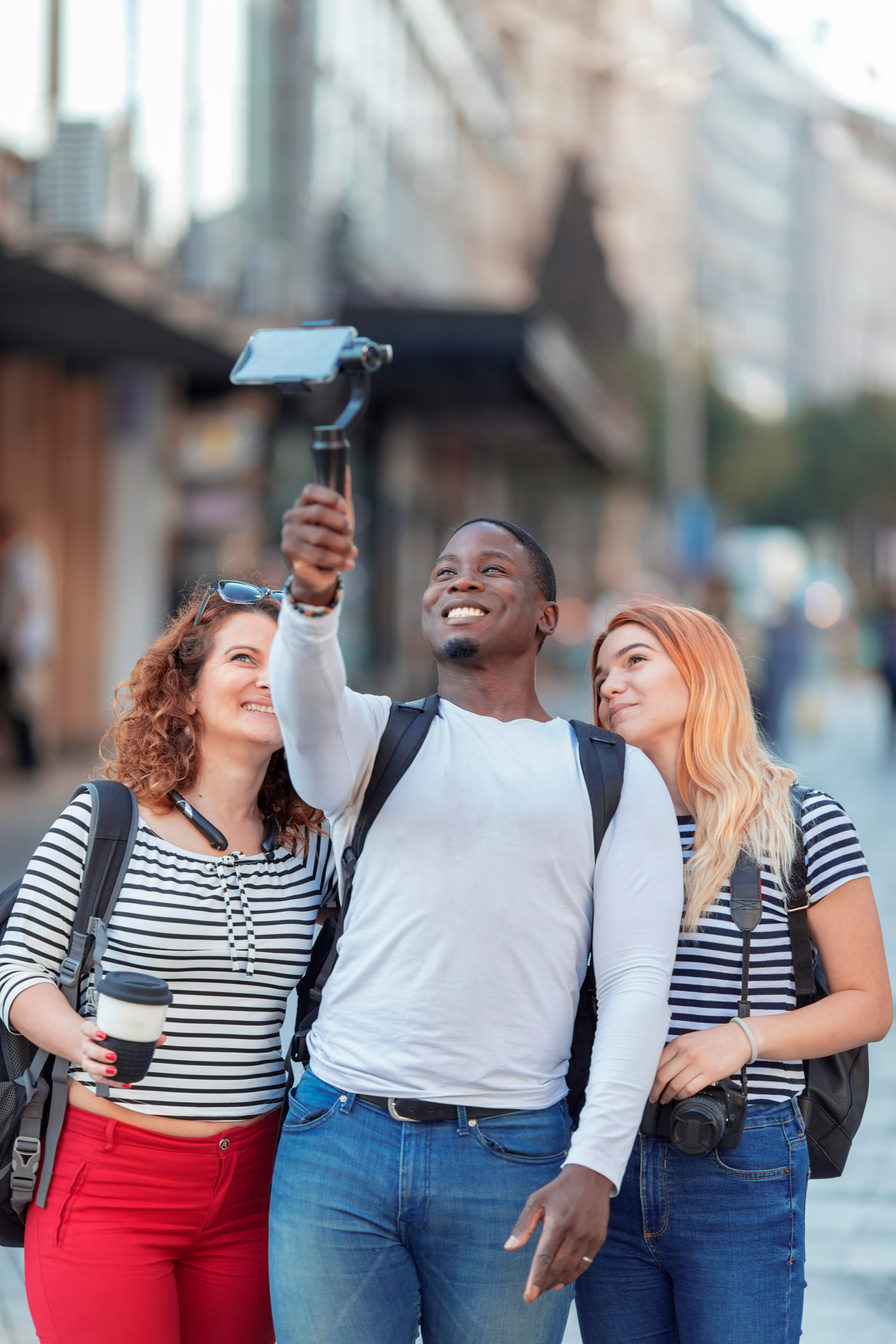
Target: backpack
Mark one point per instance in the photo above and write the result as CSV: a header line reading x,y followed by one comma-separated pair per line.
x,y
28,1075
836,1092
602,759
833,1102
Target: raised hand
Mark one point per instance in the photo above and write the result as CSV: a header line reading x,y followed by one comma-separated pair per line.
x,y
317,542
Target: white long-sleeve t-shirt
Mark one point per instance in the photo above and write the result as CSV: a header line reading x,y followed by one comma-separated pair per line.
x,y
475,902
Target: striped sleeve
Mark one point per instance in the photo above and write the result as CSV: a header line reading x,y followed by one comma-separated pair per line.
x,y
39,929
833,853
329,882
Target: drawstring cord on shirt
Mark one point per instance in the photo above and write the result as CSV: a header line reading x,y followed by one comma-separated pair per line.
x,y
231,862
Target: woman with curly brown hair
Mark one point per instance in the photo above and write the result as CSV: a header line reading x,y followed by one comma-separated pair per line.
x,y
159,1197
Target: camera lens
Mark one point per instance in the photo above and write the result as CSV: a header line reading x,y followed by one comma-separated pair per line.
x,y
697,1125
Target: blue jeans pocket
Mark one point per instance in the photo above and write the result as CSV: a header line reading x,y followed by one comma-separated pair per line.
x,y
306,1115
525,1136
763,1154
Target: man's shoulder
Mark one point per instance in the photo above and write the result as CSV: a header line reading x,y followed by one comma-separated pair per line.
x,y
641,773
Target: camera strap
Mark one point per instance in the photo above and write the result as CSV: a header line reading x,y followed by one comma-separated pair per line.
x,y
746,911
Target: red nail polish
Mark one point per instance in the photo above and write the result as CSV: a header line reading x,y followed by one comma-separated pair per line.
x,y
110,1070
127,1084
110,1054
101,1035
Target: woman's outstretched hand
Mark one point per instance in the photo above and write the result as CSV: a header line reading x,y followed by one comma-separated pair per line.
x,y
699,1059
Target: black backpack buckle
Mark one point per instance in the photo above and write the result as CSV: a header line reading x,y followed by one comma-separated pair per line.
x,y
69,970
25,1161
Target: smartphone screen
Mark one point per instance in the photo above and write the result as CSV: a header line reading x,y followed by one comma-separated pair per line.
x,y
300,355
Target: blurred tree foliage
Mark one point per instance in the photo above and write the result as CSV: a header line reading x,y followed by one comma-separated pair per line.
x,y
638,377
825,464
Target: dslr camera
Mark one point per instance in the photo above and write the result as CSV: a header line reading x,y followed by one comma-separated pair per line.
x,y
713,1118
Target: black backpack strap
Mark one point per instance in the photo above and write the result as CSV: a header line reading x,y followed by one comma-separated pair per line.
x,y
602,757
798,910
402,738
746,911
602,760
110,842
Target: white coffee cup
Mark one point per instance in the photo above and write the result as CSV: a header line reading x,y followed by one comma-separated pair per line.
x,y
131,1009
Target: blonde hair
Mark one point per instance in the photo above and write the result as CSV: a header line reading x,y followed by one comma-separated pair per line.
x,y
739,797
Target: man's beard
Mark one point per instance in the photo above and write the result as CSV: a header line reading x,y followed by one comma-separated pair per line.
x,y
459,647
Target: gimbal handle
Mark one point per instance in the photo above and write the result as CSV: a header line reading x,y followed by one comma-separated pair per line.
x,y
329,443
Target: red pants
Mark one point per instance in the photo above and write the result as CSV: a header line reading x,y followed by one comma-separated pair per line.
x,y
148,1239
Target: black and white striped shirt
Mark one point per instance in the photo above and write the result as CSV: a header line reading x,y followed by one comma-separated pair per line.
x,y
231,935
706,979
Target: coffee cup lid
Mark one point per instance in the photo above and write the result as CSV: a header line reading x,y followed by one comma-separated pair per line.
x,y
135,987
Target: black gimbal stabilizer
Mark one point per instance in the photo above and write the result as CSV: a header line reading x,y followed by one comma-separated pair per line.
x,y
317,352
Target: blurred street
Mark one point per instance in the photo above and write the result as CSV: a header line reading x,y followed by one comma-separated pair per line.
x,y
851,1266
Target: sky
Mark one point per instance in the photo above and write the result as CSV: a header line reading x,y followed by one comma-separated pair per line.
x,y
847,45
95,73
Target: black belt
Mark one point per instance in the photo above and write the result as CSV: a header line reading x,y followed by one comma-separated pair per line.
x,y
404,1108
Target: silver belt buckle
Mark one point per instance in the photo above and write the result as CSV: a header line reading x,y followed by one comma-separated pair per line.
x,y
408,1119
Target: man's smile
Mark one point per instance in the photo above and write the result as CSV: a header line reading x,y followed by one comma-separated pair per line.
x,y
466,612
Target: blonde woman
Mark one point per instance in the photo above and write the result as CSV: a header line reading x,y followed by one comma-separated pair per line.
x,y
708,1248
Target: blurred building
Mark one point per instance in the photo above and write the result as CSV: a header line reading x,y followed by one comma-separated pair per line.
x,y
86,186
612,87
796,213
753,225
608,95
850,338
99,365
383,156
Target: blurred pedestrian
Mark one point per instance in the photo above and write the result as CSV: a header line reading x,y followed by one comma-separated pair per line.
x,y
708,1247
885,629
27,636
432,1121
159,1197
784,659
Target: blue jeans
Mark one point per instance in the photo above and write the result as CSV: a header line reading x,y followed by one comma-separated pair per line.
x,y
705,1250
378,1224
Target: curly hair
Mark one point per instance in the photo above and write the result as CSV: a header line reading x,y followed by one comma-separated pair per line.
x,y
151,745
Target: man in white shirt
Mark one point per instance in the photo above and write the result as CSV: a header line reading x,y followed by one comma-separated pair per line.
x,y
476,902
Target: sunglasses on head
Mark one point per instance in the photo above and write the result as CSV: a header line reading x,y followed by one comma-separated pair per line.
x,y
237,594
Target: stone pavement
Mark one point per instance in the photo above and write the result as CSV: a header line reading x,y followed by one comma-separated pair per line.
x,y
851,1221
851,1236
15,1321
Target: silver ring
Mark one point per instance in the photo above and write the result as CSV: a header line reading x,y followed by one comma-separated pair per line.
x,y
587,1259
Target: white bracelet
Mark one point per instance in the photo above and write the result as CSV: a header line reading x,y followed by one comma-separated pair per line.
x,y
750,1037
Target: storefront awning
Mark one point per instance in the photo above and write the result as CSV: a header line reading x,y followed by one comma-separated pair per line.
x,y
478,358
54,309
